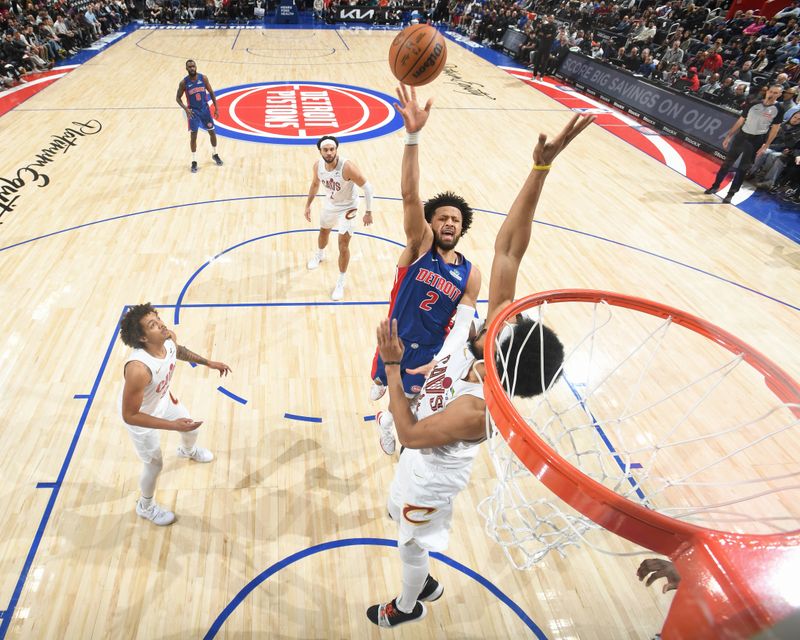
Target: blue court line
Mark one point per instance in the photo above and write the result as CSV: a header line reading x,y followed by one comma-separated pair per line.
x,y
292,416
350,542
187,284
231,395
37,538
636,465
342,39
596,424
46,485
368,418
234,40
80,396
497,213
191,364
705,202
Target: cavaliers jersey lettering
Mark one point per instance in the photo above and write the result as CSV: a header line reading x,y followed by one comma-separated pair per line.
x,y
196,93
425,296
444,384
341,192
161,370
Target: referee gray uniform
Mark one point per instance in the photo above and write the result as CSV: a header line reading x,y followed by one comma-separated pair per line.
x,y
759,117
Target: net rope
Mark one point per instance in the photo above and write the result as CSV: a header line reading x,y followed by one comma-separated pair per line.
x,y
650,437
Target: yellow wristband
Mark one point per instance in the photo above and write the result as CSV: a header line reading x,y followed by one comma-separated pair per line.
x,y
542,167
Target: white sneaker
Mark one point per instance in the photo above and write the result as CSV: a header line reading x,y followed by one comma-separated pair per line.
x,y
318,257
376,391
155,514
338,291
386,427
198,454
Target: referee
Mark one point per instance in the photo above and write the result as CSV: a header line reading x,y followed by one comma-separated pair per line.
x,y
752,134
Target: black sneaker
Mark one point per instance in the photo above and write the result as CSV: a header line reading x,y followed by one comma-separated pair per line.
x,y
431,590
217,159
389,616
727,198
194,167
710,190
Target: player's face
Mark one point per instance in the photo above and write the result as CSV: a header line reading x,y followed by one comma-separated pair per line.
x,y
191,68
328,151
155,331
446,226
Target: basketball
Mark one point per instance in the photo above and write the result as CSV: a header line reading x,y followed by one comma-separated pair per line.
x,y
417,55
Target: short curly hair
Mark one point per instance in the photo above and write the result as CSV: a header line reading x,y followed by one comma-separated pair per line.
x,y
450,199
130,327
529,359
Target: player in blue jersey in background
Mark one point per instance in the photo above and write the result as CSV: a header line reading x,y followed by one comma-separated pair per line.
x,y
434,285
197,89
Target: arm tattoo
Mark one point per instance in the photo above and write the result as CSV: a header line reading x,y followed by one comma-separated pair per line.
x,y
184,354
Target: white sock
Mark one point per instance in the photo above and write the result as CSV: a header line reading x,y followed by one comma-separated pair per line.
x,y
145,503
213,150
415,572
194,156
341,279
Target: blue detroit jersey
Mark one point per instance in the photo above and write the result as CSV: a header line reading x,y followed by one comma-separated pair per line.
x,y
196,94
425,296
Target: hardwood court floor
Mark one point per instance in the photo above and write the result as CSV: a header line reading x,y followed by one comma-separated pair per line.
x,y
122,221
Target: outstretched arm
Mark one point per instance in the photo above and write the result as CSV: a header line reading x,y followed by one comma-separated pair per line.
x,y
182,353
418,232
515,233
351,172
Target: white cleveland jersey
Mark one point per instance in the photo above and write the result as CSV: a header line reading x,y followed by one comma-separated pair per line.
x,y
161,370
341,192
444,384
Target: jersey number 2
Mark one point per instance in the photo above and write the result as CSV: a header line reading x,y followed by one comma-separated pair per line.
x,y
429,301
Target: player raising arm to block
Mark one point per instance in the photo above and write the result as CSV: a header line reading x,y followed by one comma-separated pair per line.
x,y
443,433
434,284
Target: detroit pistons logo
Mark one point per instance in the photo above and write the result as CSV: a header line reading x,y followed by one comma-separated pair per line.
x,y
301,112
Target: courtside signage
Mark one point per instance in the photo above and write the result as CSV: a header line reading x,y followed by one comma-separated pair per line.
x,y
301,112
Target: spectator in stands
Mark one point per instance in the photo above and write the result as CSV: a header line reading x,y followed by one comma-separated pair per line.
x,y
673,55
710,87
770,164
789,12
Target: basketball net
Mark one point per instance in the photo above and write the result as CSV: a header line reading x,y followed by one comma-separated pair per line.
x,y
663,429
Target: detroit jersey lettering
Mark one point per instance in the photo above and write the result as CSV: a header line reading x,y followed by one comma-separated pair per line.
x,y
196,93
425,296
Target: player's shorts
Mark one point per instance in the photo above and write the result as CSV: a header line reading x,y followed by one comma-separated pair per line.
x,y
421,499
415,355
343,218
201,120
146,441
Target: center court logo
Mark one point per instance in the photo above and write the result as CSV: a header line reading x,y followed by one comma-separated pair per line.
x,y
301,112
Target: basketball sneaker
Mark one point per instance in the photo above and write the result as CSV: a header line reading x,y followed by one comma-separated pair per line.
x,y
198,454
431,590
194,166
318,257
386,427
215,157
338,291
389,616
376,391
155,514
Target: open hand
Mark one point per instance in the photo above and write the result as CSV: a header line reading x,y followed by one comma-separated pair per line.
x,y
545,152
413,117
389,344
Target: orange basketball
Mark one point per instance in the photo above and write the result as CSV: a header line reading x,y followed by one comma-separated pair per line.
x,y
417,55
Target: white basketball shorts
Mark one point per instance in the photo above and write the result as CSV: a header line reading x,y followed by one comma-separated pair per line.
x,y
147,442
421,500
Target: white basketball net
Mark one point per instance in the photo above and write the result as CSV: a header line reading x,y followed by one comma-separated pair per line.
x,y
657,413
